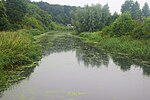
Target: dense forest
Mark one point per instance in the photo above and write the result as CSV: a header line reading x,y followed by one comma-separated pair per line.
x,y
60,14
24,14
23,20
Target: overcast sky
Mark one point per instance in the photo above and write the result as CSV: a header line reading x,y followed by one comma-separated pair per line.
x,y
115,5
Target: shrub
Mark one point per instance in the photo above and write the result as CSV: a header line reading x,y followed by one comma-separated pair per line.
x,y
123,25
143,30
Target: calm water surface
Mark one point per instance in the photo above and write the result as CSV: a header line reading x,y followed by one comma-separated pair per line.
x,y
71,75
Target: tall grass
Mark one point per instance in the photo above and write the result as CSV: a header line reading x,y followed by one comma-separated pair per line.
x,y
17,49
137,49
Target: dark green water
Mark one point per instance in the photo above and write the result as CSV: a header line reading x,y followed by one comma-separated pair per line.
x,y
84,73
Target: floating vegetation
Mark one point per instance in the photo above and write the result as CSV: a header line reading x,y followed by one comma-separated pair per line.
x,y
9,78
91,54
125,46
76,93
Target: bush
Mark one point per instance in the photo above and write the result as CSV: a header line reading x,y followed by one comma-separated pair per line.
x,y
107,30
123,26
31,22
142,31
32,32
146,28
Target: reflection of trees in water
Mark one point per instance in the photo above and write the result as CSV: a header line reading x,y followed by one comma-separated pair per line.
x,y
125,63
87,53
84,52
63,43
92,56
146,70
9,78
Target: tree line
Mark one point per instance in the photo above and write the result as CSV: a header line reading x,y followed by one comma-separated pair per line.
x,y
133,21
19,14
60,13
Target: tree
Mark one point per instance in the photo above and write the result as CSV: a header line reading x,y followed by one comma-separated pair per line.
x,y
123,25
145,10
133,8
106,15
136,11
127,6
37,18
143,30
3,17
16,10
146,28
114,16
61,14
89,18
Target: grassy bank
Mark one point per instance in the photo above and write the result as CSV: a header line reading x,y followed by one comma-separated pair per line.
x,y
17,49
126,46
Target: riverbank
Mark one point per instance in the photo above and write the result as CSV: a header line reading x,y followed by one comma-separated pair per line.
x,y
91,48
25,47
18,49
125,46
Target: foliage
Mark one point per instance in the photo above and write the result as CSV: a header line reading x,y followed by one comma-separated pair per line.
x,y
121,45
134,9
142,31
106,15
60,27
127,6
32,22
3,17
91,18
93,36
16,10
17,49
114,17
24,14
38,18
145,10
60,14
122,26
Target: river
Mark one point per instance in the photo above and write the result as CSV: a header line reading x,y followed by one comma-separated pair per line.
x,y
82,74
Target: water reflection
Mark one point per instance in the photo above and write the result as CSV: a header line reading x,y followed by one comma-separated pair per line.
x,y
63,43
91,56
126,63
9,78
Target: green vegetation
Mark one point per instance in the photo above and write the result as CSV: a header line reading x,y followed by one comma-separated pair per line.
x,y
126,34
3,17
145,10
122,26
124,46
98,18
30,29
17,49
21,21
60,14
91,18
